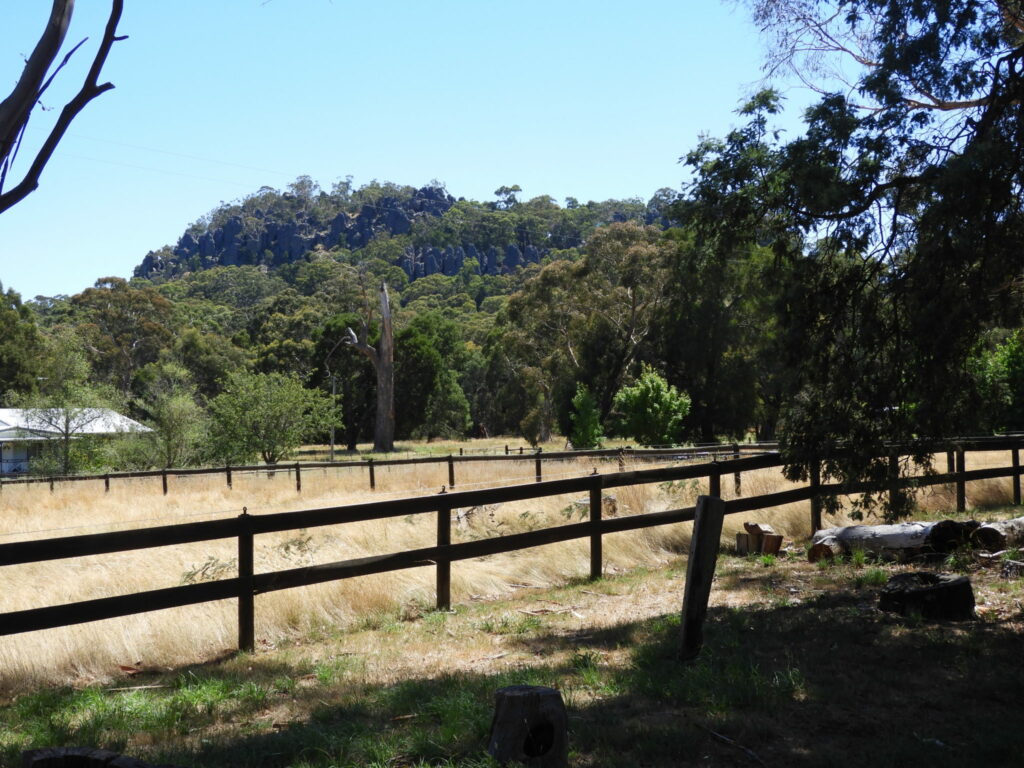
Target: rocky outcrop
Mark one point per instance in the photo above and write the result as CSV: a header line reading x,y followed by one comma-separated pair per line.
x,y
273,229
271,240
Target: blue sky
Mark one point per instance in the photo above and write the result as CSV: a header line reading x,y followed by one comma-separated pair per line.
x,y
590,99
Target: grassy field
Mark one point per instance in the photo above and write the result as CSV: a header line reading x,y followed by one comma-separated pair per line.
x,y
93,652
361,672
799,668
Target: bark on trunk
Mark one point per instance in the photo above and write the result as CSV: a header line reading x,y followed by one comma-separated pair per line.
x,y
1002,534
384,430
383,359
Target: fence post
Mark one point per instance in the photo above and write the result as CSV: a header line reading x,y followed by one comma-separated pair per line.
x,y
298,478
444,565
51,484
506,449
163,480
894,476
815,483
537,467
715,483
700,570
950,463
961,486
246,597
520,450
106,483
1016,476
737,478
373,479
596,553
451,470
227,473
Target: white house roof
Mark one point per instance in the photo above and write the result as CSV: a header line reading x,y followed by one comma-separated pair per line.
x,y
41,424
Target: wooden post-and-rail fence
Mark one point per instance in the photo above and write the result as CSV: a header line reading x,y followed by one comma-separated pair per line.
x,y
538,457
247,584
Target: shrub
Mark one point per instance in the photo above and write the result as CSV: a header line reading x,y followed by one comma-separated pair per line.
x,y
586,421
652,410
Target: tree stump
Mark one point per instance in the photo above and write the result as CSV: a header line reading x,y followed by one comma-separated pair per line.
x,y
529,727
929,595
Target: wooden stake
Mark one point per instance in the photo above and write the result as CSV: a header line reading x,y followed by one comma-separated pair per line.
x,y
700,570
444,566
961,486
1016,475
596,555
246,598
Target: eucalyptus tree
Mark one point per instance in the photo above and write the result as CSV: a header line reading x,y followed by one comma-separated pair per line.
x,y
896,217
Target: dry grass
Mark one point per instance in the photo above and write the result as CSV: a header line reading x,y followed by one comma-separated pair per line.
x,y
170,638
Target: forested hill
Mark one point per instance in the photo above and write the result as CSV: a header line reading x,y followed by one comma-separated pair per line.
x,y
426,231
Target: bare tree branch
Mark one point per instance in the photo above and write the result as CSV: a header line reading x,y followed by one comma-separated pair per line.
x,y
16,109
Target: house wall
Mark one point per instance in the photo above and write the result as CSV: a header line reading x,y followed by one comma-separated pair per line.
x,y
13,458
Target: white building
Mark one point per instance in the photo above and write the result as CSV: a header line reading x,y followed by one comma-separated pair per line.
x,y
23,430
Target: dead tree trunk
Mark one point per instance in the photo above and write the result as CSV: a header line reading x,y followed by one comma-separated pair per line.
x,y
890,541
383,358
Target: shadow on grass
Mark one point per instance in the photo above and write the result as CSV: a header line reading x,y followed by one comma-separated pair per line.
x,y
829,681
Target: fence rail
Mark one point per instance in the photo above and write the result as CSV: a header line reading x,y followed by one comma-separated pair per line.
x,y
538,457
247,584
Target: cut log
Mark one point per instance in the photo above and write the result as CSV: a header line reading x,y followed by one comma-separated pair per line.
x,y
929,595
1002,534
742,544
894,541
530,727
827,548
758,528
771,543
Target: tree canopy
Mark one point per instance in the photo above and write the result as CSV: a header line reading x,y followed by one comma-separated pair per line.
x,y
895,218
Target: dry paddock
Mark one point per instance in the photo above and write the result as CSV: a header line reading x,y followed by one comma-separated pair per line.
x,y
96,651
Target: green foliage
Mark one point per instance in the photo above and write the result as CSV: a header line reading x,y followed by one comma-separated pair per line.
x,y
266,415
447,412
21,345
169,403
67,403
587,432
124,328
1000,375
651,410
894,220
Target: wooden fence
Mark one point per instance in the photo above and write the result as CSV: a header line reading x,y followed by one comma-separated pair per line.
x,y
247,584
538,458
